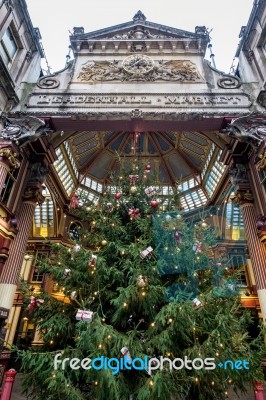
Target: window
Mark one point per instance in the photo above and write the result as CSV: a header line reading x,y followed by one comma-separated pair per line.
x,y
43,223
38,276
8,47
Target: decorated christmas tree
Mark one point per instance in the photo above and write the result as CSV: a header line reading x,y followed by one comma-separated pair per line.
x,y
148,311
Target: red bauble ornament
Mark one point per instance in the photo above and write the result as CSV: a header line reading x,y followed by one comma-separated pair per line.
x,y
118,196
154,203
148,168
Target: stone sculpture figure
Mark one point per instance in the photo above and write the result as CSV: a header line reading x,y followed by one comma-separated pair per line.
x,y
250,129
23,130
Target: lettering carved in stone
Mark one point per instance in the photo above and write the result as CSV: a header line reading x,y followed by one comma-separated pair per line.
x,y
176,70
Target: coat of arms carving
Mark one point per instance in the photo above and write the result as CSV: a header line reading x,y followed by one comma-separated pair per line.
x,y
162,70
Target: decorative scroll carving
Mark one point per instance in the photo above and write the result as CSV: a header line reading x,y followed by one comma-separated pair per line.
x,y
11,156
242,197
48,82
23,130
229,82
99,71
262,163
238,174
226,81
137,113
250,129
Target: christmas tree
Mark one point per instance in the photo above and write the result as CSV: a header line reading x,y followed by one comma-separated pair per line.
x,y
140,281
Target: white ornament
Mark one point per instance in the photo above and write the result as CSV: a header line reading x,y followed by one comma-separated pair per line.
x,y
150,191
146,252
73,295
67,271
126,354
76,248
168,217
84,315
197,302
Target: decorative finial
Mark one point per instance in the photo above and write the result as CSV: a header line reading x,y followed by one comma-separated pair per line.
x,y
78,30
139,16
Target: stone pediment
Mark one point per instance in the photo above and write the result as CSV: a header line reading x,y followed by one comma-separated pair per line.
x,y
139,29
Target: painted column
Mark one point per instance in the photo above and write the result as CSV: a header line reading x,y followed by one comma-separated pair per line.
x,y
8,384
257,249
10,275
8,160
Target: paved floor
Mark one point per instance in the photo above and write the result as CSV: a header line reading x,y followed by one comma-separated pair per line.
x,y
16,393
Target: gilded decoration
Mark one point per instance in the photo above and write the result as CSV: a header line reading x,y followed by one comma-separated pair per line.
x,y
11,156
33,194
262,163
129,70
242,197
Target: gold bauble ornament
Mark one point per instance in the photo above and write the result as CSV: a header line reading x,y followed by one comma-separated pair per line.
x,y
142,281
104,242
133,189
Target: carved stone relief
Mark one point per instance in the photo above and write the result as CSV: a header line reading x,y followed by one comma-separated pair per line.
x,y
179,71
23,130
48,83
238,174
229,82
250,129
139,34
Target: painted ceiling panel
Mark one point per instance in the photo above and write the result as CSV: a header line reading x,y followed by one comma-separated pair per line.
x,y
83,137
196,137
83,161
192,147
86,147
178,166
101,167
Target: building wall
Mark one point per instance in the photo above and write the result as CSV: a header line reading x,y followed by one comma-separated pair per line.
x,y
20,52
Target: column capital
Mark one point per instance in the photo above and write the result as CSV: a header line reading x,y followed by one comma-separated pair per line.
x,y
9,154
